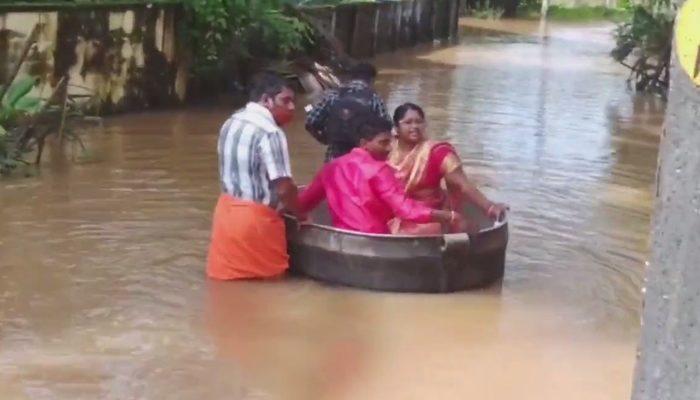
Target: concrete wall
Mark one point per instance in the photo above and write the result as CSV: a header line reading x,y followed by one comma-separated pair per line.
x,y
365,29
668,365
127,56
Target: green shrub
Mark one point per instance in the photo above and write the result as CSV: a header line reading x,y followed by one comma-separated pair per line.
x,y
643,44
15,105
224,33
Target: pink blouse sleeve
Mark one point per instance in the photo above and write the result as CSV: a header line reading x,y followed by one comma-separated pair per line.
x,y
313,194
388,188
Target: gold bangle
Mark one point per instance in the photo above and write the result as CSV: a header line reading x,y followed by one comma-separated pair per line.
x,y
452,216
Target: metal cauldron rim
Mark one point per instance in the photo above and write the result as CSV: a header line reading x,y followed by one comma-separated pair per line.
x,y
497,225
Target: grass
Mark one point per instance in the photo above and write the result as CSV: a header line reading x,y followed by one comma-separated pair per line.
x,y
587,13
576,14
488,13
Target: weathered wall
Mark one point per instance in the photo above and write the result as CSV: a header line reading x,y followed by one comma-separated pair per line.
x,y
362,42
365,29
322,16
344,24
441,18
128,56
14,28
407,27
424,19
385,37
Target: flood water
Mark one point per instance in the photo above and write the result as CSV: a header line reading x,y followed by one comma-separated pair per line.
x,y
102,286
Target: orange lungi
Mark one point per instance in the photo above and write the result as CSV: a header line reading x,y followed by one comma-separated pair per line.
x,y
247,241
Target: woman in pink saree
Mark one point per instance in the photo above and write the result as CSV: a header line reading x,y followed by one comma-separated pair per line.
x,y
423,165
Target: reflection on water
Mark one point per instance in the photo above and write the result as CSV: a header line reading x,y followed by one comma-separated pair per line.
x,y
102,291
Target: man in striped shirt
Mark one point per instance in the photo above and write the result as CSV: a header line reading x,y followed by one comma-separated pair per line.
x,y
248,236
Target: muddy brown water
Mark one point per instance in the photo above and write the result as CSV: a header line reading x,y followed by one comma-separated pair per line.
x,y
102,291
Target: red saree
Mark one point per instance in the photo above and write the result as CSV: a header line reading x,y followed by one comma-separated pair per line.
x,y
422,170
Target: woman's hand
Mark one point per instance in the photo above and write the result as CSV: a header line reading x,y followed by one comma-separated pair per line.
x,y
497,211
446,217
455,221
462,224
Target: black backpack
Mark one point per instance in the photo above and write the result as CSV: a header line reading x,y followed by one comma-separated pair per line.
x,y
342,121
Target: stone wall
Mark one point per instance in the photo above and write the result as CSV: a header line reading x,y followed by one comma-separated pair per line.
x,y
126,56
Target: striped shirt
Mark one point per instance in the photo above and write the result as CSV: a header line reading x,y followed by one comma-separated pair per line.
x,y
252,154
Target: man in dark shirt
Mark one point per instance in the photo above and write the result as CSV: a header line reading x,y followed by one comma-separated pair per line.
x,y
359,89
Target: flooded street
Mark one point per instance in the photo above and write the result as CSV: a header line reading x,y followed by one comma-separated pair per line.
x,y
102,286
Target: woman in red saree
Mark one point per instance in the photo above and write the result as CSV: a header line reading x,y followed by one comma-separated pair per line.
x,y
423,165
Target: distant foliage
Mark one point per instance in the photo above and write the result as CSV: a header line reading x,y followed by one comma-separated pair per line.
x,y
643,44
224,32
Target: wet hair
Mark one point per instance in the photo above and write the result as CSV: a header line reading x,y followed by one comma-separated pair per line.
x,y
401,111
268,83
363,71
370,125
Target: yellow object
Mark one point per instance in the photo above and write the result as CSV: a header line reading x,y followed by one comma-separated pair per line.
x,y
688,39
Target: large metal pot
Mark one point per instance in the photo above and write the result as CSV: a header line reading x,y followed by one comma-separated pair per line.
x,y
437,263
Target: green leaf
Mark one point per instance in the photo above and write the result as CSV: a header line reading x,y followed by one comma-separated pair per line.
x,y
29,105
3,132
18,90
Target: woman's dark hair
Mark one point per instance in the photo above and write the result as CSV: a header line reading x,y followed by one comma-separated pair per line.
x,y
401,111
370,125
268,83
